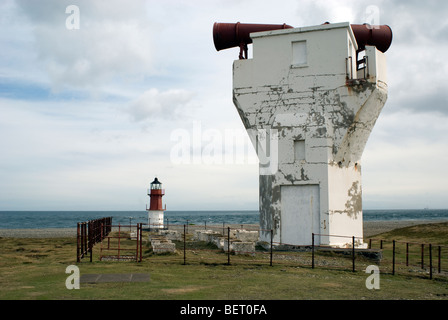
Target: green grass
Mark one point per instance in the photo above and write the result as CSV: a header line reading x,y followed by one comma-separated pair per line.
x,y
435,233
408,248
34,269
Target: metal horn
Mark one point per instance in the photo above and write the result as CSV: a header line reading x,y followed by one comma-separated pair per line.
x,y
230,35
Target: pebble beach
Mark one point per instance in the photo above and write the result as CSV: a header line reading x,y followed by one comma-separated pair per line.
x,y
370,228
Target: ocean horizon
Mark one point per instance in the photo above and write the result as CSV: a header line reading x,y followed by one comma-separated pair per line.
x,y
69,219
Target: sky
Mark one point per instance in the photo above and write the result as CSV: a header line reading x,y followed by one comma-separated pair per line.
x,y
91,110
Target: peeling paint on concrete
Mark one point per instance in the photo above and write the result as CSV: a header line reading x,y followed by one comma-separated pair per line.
x,y
353,206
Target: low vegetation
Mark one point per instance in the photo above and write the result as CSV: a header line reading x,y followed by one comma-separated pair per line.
x,y
34,269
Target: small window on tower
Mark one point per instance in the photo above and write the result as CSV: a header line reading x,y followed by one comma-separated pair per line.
x,y
299,150
299,55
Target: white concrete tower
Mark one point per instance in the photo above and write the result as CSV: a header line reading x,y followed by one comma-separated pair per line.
x,y
317,101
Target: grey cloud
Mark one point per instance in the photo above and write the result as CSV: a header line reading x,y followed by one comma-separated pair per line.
x,y
113,42
153,105
433,102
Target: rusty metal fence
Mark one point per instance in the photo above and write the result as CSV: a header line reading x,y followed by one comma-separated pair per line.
x,y
89,233
117,242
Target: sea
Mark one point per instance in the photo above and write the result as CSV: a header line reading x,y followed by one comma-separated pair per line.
x,y
69,219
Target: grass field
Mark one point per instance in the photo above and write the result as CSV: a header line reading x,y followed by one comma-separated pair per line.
x,y
34,269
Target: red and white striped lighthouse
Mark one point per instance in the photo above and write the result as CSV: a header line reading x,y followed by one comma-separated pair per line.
x,y
156,210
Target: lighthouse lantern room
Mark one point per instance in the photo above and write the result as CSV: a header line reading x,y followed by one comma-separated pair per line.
x,y
155,211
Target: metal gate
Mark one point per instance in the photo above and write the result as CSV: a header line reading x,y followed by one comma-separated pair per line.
x,y
124,243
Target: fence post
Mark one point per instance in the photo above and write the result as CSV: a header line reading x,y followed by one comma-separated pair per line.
x,y
393,257
271,247
430,261
90,249
90,240
312,251
439,264
407,254
102,235
119,239
138,240
228,245
353,253
423,253
83,239
77,243
86,238
184,243
81,243
141,238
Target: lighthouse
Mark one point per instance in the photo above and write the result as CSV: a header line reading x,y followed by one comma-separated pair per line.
x,y
155,211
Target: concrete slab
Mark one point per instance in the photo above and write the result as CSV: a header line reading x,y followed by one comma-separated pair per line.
x,y
114,277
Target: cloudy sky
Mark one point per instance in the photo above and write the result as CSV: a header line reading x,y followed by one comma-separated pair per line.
x,y
90,113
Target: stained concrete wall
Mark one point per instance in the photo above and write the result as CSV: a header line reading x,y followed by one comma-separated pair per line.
x,y
313,109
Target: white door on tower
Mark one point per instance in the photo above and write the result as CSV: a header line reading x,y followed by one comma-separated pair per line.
x,y
300,215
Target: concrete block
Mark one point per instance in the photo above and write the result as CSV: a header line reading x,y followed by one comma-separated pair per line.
x,y
163,247
171,234
218,241
226,246
201,235
210,237
244,248
245,235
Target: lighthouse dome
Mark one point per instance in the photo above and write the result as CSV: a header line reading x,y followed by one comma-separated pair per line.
x,y
156,184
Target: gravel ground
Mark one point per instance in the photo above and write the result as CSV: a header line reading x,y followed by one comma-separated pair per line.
x,y
370,228
38,233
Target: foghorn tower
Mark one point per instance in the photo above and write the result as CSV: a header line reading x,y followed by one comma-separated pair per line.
x,y
155,211
314,93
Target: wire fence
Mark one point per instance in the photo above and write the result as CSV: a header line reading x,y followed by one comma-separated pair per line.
x,y
239,244
230,245
411,257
